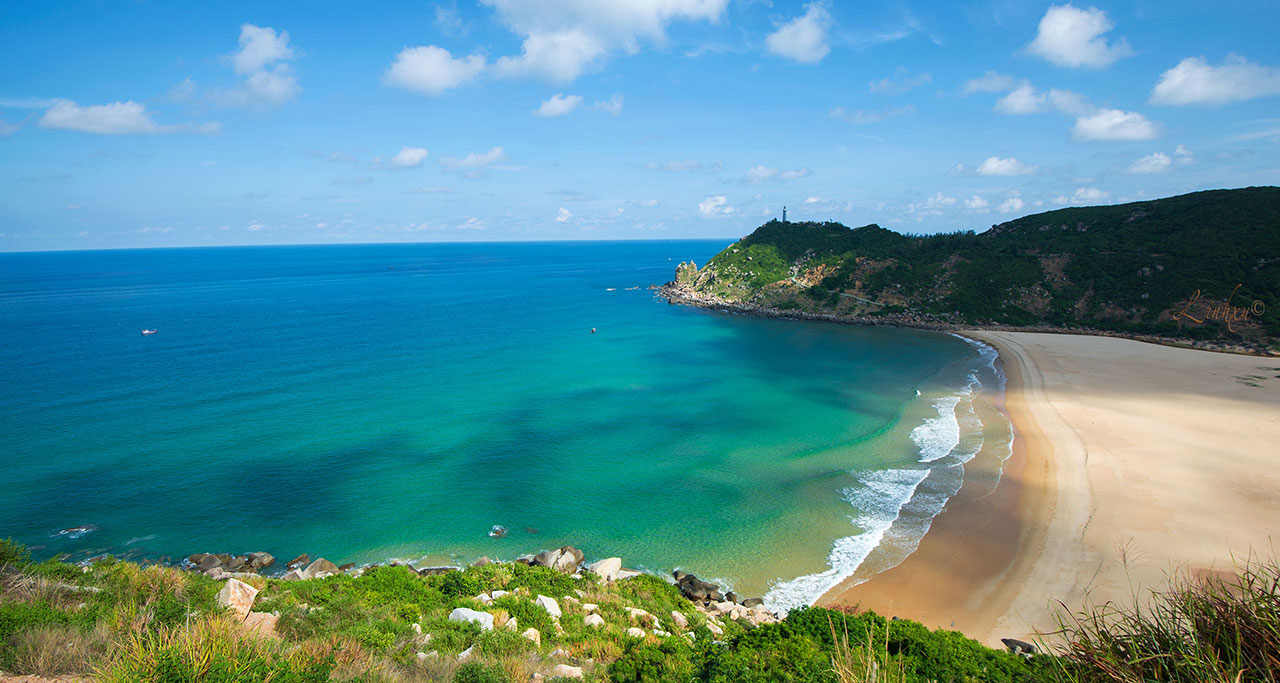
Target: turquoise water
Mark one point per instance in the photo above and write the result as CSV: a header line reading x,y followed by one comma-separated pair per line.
x,y
369,402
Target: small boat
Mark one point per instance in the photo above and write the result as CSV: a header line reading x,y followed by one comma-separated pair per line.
x,y
593,330
147,332
611,289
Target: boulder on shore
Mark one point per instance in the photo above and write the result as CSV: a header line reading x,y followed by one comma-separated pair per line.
x,y
606,569
697,590
564,559
320,569
299,561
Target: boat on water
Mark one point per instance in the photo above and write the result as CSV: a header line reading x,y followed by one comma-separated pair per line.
x,y
147,332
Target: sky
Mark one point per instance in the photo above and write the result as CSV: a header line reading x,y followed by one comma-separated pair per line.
x,y
156,124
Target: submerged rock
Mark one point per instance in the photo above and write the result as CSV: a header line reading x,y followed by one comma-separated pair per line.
x,y
299,561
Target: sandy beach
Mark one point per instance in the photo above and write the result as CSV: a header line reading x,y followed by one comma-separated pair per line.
x,y
1131,461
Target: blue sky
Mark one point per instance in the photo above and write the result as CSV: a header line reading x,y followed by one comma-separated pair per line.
x,y
135,124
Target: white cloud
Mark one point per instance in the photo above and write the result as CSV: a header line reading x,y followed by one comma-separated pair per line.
x,y
1027,100
1086,194
1010,205
813,200
559,105
475,161
613,105
565,38
1073,37
448,21
409,157
889,86
263,59
1159,162
976,203
260,46
1113,124
1152,163
715,207
117,118
1071,103
860,117
7,129
563,215
933,206
271,88
431,70
759,174
1011,166
648,203
1022,100
558,57
804,38
989,82
1193,81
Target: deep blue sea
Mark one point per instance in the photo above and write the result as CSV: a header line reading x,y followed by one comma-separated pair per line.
x,y
371,402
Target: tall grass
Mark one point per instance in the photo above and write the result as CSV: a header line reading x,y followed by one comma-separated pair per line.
x,y
213,650
864,663
1213,628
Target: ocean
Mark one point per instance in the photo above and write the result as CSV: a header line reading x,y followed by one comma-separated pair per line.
x,y
370,402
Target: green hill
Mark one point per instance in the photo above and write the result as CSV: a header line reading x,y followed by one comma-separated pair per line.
x,y
1129,268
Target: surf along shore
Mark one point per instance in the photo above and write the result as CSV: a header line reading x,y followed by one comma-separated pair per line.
x,y
1131,461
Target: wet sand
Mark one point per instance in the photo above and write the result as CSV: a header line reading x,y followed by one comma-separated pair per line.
x,y
1131,461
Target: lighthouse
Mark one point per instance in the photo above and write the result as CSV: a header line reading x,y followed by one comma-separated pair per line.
x,y
784,214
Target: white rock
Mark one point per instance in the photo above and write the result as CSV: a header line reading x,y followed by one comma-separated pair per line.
x,y
534,635
594,620
549,604
484,598
660,632
566,671
237,596
715,630
465,654
681,621
590,607
293,575
424,656
624,574
641,615
463,614
498,594
635,632
511,625
606,569
417,628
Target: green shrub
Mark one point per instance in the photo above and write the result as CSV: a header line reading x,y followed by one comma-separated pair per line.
x,y
373,638
474,672
667,661
14,553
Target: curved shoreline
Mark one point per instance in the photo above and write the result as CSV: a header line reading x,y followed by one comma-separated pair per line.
x,y
1132,464
961,576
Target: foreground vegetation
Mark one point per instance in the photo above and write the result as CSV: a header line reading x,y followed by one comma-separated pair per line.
x,y
1129,268
117,621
